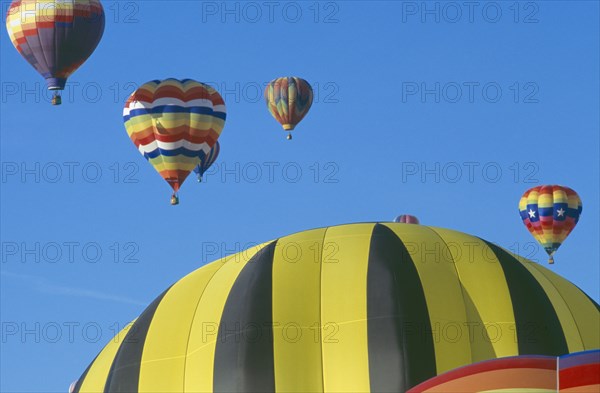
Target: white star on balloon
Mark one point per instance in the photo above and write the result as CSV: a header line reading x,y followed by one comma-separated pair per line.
x,y
531,213
561,212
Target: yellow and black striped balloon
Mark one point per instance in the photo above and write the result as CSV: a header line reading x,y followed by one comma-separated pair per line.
x,y
352,308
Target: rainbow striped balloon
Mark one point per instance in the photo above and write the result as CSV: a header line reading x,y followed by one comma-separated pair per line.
x,y
174,124
208,161
550,213
289,99
55,36
577,372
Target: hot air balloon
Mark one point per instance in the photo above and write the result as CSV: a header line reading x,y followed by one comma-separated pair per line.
x,y
577,372
55,36
289,99
550,213
174,124
207,162
406,219
370,307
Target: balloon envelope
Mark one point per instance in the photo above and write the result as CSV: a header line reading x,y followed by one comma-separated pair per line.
x,y
208,161
353,308
55,36
174,124
577,372
289,99
550,213
407,219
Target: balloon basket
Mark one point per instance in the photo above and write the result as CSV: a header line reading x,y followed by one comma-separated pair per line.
x,y
289,136
174,200
56,100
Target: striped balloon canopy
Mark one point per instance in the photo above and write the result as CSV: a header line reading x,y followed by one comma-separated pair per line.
x,y
55,36
577,372
174,124
550,213
370,307
208,161
289,99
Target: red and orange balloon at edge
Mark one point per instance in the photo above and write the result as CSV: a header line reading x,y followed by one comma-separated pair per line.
x,y
574,372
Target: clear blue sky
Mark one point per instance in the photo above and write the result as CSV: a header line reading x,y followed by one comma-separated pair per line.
x,y
369,131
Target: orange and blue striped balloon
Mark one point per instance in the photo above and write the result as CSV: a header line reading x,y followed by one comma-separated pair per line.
x,y
289,99
550,213
174,124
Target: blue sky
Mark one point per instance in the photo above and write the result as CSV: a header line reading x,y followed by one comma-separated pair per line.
x,y
447,113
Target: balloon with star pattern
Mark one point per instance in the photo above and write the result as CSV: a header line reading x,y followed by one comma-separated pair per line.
x,y
550,213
